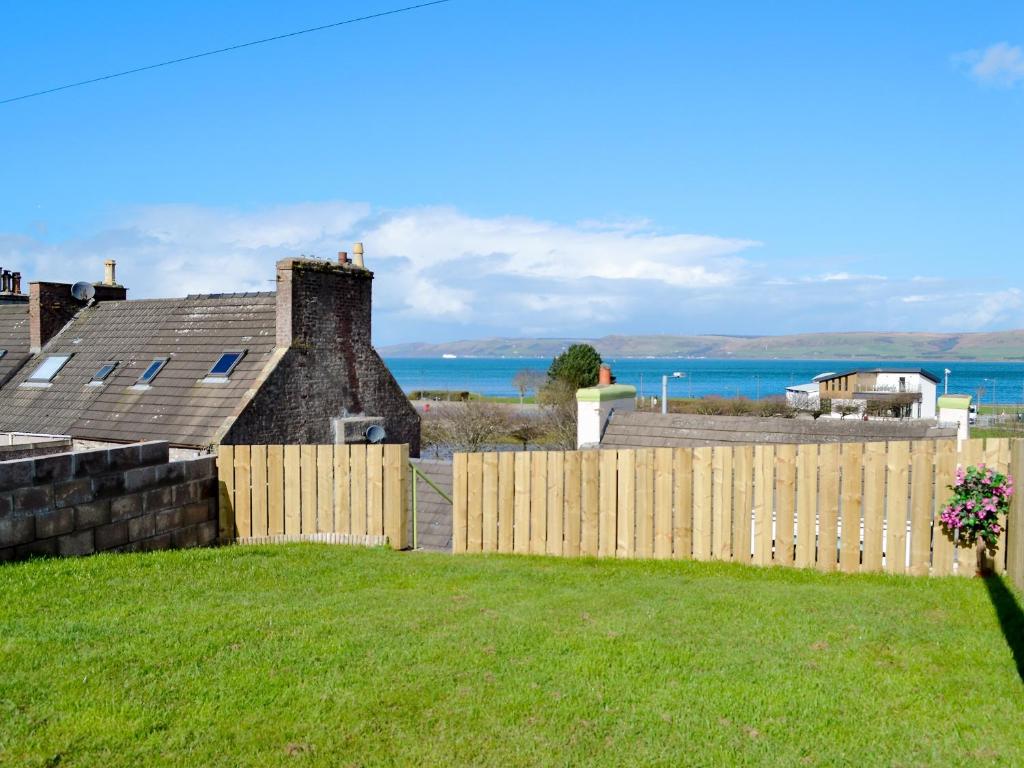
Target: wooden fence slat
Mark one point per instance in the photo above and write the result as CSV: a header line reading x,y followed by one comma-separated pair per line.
x,y
743,502
258,475
874,506
852,502
506,500
663,503
1015,523
521,532
375,490
538,502
608,504
275,490
357,499
590,503
396,495
806,506
243,491
764,463
555,503
307,457
943,547
682,495
645,502
702,502
785,503
828,507
625,536
573,501
972,453
721,503
460,501
921,504
226,479
474,497
994,458
490,502
896,502
292,490
342,490
325,489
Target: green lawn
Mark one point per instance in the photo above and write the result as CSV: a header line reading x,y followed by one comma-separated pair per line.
x,y
334,656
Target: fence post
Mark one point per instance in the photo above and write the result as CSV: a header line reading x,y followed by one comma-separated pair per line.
x,y
1015,526
396,495
226,478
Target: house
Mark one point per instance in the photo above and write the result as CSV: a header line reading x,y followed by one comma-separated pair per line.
x,y
294,365
886,392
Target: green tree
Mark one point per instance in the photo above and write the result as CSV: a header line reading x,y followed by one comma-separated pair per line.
x,y
577,367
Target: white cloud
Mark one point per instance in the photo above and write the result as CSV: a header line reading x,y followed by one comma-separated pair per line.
x,y
1000,64
443,274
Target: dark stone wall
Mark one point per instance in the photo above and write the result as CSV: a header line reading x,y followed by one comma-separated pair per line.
x,y
330,368
118,499
51,306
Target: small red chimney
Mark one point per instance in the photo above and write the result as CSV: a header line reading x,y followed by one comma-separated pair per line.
x,y
604,376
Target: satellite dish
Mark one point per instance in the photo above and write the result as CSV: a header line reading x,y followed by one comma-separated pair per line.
x,y
83,291
375,434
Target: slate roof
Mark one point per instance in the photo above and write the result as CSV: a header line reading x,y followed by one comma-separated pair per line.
x,y
193,332
637,429
14,338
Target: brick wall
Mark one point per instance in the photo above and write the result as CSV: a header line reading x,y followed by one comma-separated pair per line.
x,y
129,498
330,368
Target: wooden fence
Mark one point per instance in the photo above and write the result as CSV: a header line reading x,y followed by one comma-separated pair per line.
x,y
332,493
850,507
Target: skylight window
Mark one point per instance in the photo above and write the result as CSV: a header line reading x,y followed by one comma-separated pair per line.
x,y
152,370
226,364
105,370
47,369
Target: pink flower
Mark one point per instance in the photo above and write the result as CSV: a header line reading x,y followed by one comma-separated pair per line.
x,y
959,476
996,528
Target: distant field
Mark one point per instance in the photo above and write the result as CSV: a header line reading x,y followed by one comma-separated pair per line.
x,y
332,656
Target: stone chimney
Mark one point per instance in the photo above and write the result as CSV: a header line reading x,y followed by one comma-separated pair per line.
x,y
323,304
51,306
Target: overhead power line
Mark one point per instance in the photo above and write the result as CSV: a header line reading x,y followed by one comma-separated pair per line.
x,y
225,50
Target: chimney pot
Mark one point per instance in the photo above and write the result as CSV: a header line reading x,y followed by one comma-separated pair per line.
x,y
5,281
109,272
604,376
16,282
357,255
342,257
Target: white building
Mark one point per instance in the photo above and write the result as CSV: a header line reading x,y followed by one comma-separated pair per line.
x,y
881,392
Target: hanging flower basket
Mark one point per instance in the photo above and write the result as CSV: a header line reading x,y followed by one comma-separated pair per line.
x,y
976,514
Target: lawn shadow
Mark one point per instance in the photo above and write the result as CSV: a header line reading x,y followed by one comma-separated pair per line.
x,y
1011,618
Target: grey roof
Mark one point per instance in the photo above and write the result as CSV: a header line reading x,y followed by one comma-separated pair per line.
x,y
920,371
14,338
638,429
193,332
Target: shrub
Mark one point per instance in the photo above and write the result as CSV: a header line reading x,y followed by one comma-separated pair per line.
x,y
980,496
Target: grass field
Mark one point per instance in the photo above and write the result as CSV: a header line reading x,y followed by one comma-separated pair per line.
x,y
332,656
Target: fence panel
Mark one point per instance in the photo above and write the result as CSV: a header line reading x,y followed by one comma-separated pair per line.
x,y
274,493
851,507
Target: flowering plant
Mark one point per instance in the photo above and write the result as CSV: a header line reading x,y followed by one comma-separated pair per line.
x,y
980,496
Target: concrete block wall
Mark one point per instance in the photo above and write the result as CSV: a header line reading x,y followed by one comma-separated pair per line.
x,y
124,499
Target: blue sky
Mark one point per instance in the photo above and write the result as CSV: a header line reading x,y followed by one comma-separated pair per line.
x,y
535,168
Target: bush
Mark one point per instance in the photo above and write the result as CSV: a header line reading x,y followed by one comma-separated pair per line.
x,y
577,367
980,496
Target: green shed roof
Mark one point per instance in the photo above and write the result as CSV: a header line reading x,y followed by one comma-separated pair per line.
x,y
605,393
956,402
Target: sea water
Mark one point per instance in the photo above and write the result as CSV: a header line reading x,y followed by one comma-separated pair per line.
x,y
995,382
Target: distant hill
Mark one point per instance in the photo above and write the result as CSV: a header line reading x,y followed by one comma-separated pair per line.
x,y
1001,345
